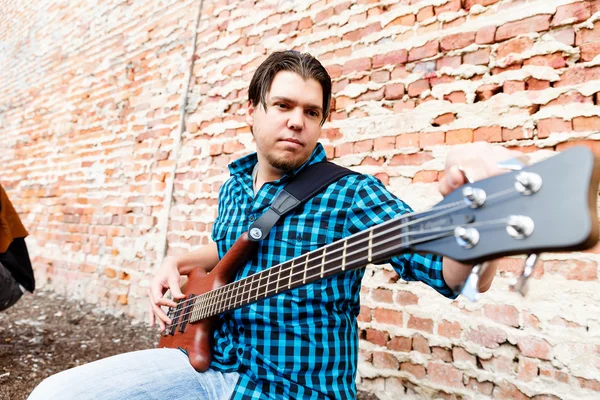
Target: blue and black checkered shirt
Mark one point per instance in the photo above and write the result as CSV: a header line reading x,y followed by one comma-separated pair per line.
x,y
303,343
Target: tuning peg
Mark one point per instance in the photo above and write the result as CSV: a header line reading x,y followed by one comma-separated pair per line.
x,y
470,288
514,164
520,284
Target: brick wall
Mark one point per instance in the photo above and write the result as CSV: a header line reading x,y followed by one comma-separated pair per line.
x,y
113,153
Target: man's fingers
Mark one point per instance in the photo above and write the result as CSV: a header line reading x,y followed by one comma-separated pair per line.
x,y
174,287
453,178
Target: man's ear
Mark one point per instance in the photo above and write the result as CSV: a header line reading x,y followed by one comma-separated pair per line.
x,y
250,114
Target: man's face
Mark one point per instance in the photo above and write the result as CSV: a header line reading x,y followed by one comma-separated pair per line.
x,y
286,132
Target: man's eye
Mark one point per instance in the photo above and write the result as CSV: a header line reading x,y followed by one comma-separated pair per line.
x,y
313,113
281,105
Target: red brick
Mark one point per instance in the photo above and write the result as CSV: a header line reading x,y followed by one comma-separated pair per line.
x,y
379,77
430,49
589,51
555,61
479,57
487,336
416,370
588,35
382,295
394,91
385,360
566,36
305,23
441,354
485,388
504,314
459,354
393,58
547,126
528,370
459,136
513,134
425,13
404,20
421,324
377,337
577,270
451,62
538,23
449,329
513,87
571,97
488,134
470,3
420,344
443,119
536,84
445,374
534,347
581,124
590,384
485,35
506,390
571,13
384,143
457,41
517,45
400,344
407,140
425,177
432,139
325,14
416,88
450,6
343,149
391,317
361,64
365,314
405,298
456,97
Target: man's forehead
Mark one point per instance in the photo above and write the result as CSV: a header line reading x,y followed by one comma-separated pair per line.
x,y
280,89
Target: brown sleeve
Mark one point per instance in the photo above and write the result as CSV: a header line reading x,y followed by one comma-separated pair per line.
x,y
11,226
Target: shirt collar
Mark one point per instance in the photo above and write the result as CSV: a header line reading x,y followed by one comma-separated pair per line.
x,y
244,165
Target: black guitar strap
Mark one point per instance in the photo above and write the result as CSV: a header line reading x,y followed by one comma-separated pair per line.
x,y
306,184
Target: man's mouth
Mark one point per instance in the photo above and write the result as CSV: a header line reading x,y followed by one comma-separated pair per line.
x,y
293,141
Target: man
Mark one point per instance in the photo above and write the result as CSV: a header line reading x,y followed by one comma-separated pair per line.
x,y
16,274
303,343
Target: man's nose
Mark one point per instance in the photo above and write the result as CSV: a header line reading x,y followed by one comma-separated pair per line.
x,y
296,121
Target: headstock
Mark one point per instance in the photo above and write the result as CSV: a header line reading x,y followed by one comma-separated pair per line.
x,y
549,206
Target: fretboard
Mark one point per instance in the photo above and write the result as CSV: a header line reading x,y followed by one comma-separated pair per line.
x,y
375,244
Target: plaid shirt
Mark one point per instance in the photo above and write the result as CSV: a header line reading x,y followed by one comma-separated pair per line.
x,y
303,343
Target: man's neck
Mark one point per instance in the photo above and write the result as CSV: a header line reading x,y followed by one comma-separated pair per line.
x,y
265,173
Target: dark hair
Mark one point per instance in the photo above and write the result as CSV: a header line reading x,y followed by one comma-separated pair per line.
x,y
302,64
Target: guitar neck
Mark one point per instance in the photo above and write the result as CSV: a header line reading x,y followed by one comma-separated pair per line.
x,y
372,245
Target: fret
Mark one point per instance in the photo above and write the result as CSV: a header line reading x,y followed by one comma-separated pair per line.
x,y
259,285
238,292
278,278
323,262
344,255
370,245
268,280
305,268
290,275
189,302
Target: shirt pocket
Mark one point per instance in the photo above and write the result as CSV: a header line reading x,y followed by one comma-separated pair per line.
x,y
307,233
224,236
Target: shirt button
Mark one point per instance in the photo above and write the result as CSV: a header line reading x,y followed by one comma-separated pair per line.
x,y
240,351
241,329
251,218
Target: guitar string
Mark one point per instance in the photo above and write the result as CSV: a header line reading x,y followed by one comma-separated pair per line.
x,y
378,227
324,271
249,280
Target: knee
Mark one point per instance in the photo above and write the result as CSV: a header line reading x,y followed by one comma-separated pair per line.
x,y
51,388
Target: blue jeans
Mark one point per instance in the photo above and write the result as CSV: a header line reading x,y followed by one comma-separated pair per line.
x,y
147,374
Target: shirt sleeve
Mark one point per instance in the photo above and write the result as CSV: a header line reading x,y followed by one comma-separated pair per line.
x,y
373,204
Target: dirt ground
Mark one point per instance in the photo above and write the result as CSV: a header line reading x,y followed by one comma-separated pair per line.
x,y
44,334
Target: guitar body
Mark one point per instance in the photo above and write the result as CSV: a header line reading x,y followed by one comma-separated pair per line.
x,y
196,338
